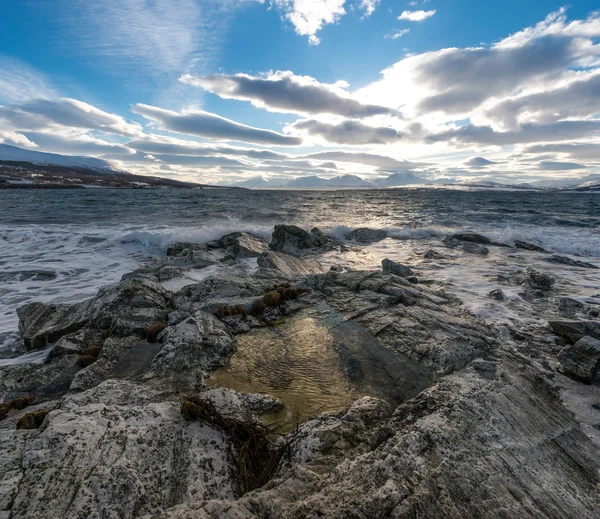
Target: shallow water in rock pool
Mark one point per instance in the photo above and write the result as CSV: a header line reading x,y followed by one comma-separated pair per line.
x,y
317,362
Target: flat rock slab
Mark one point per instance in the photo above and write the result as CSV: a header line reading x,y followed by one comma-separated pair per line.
x,y
289,266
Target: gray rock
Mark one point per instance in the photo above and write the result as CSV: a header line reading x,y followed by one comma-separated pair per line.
x,y
536,280
396,268
366,235
576,330
569,307
166,273
529,246
190,350
75,342
471,237
287,266
294,240
244,244
497,294
42,323
563,260
470,247
433,254
582,359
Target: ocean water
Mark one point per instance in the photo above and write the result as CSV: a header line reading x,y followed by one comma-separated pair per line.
x,y
64,245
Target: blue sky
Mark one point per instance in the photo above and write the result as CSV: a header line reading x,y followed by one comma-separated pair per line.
x,y
196,88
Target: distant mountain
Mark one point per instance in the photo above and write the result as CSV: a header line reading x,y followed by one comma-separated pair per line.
x,y
340,182
566,183
14,154
402,178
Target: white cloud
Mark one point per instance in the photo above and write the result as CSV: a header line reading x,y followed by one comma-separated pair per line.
x,y
416,16
309,16
348,132
211,126
51,114
283,91
19,82
369,6
397,34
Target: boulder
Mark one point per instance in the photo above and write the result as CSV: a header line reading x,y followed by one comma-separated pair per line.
x,y
569,307
366,235
73,343
582,359
498,295
563,260
470,247
44,323
396,268
471,237
244,244
433,254
576,330
291,239
528,246
536,280
191,349
288,266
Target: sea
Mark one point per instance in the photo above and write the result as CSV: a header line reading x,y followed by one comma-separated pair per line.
x,y
62,245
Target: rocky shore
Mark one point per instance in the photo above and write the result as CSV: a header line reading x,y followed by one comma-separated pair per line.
x,y
119,421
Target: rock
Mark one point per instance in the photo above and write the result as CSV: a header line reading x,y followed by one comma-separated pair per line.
x,y
528,246
563,260
244,244
289,267
470,247
433,254
115,454
42,323
471,237
536,280
576,330
497,294
75,342
569,307
366,235
294,240
582,359
166,273
475,248
484,365
190,350
396,268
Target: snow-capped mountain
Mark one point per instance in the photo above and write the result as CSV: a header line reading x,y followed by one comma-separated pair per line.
x,y
14,154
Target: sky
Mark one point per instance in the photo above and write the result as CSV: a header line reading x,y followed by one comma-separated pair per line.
x,y
225,90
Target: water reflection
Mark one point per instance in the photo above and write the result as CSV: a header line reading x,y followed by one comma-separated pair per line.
x,y
317,363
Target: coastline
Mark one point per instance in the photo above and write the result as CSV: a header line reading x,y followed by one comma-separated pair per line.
x,y
506,407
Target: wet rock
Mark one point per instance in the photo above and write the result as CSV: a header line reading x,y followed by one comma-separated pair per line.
x,y
536,280
484,365
470,247
76,342
563,260
166,273
497,294
569,307
576,330
582,359
244,244
529,246
294,240
288,266
433,254
366,235
471,237
42,323
396,268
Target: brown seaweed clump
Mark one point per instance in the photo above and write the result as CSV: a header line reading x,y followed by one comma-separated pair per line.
x,y
258,457
32,420
258,307
22,402
228,311
272,298
153,332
